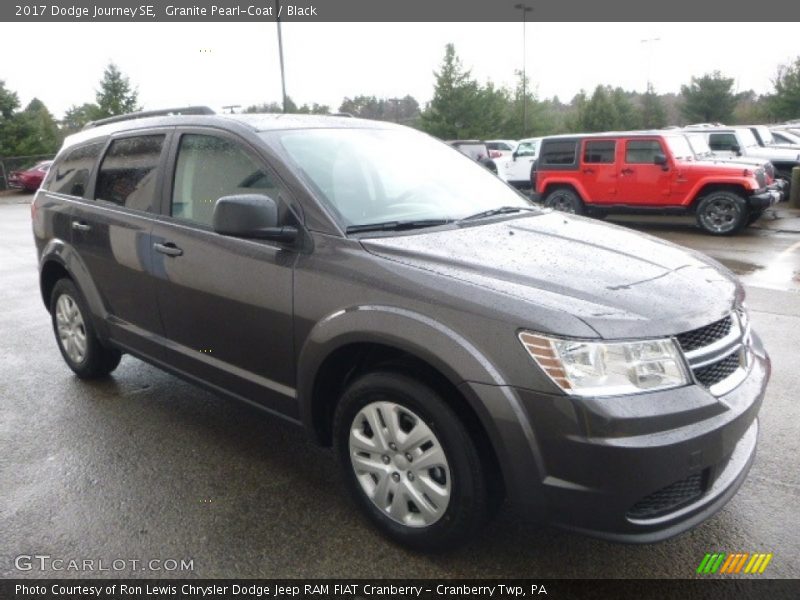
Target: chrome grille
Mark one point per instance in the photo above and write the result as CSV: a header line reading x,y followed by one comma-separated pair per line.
x,y
717,353
718,371
703,336
770,169
761,178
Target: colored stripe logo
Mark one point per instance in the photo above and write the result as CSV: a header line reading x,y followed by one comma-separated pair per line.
x,y
734,563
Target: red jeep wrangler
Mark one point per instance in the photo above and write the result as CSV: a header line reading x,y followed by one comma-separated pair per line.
x,y
648,172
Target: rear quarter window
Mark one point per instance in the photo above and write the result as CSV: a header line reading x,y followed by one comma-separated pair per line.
x,y
70,174
558,153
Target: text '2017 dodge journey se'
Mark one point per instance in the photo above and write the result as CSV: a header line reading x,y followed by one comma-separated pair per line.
x,y
455,344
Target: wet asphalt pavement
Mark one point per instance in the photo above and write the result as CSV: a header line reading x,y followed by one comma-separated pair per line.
x,y
145,466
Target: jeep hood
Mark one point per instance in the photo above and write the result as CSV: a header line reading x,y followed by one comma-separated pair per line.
x,y
618,282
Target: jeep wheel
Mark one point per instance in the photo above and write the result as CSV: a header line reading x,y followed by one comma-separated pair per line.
x,y
410,463
565,200
76,339
722,213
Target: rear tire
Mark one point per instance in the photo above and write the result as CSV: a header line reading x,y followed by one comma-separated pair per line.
x,y
564,200
438,498
75,334
722,213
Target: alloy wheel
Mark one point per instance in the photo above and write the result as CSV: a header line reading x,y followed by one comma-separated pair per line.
x,y
71,328
721,215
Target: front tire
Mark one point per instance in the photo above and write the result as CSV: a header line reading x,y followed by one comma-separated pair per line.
x,y
409,462
75,334
722,213
564,200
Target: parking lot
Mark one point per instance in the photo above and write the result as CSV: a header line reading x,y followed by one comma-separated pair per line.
x,y
145,466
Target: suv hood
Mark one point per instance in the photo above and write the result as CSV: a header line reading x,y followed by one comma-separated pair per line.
x,y
774,153
620,283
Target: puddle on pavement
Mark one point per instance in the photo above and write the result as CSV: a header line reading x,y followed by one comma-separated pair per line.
x,y
740,267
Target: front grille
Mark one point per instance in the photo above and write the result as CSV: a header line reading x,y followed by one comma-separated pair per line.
x,y
714,373
669,498
704,336
770,169
761,178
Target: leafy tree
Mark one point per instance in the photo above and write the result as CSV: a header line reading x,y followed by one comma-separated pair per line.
x,y
784,104
314,109
116,96
266,107
653,113
37,130
399,110
9,102
708,99
78,116
455,110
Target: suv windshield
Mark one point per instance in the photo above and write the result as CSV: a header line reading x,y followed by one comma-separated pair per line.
x,y
699,144
679,146
379,175
748,139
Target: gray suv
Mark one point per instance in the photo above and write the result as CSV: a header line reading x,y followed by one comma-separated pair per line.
x,y
455,344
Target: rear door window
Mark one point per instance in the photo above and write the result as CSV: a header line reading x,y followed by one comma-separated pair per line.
x,y
127,175
599,152
71,175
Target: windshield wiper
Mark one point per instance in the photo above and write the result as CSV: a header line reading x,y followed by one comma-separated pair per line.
x,y
397,225
503,210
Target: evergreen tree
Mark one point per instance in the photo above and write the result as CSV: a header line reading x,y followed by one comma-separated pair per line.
x,y
784,104
653,113
708,99
116,96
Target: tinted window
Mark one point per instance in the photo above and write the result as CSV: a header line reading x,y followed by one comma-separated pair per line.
x,y
722,141
128,173
599,152
559,153
642,151
498,146
72,173
209,168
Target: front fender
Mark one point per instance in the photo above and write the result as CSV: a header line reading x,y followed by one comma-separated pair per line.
x,y
500,411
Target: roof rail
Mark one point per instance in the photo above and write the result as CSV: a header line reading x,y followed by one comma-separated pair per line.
x,y
186,110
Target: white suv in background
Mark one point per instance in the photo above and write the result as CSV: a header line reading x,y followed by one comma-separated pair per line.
x,y
516,168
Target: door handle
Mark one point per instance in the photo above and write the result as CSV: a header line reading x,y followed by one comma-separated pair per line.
x,y
587,171
626,171
169,249
81,226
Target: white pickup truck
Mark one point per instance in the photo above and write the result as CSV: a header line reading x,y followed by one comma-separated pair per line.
x,y
515,169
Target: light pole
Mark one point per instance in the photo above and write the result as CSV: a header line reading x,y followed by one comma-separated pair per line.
x,y
525,10
280,52
649,42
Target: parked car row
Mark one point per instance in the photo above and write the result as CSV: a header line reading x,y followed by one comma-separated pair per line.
x,y
725,176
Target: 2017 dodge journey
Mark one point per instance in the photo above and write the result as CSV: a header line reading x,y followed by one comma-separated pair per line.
x,y
455,344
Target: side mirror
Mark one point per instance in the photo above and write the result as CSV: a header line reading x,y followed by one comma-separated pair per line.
x,y
514,155
736,149
660,159
250,216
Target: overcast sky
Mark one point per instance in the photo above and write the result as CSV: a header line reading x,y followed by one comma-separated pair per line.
x,y
237,63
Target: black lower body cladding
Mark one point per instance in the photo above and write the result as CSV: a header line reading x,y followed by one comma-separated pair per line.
x,y
637,468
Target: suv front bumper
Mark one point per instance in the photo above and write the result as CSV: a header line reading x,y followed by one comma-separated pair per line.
x,y
638,468
772,195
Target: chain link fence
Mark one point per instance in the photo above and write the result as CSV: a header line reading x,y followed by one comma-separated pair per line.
x,y
18,163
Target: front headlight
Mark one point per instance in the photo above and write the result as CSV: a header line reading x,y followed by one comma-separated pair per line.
x,y
588,368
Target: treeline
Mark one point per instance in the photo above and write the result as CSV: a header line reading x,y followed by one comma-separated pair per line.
x,y
35,131
461,107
